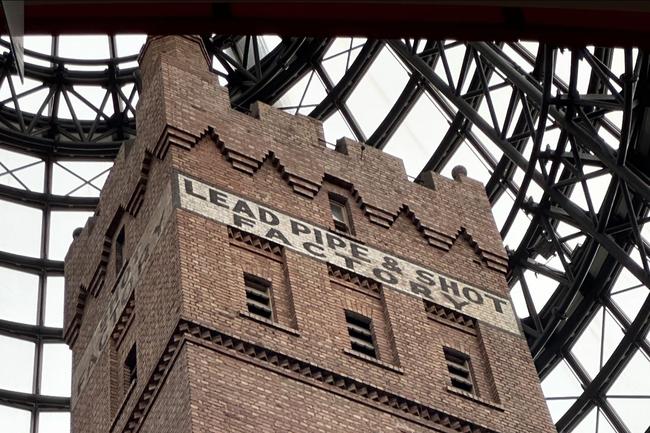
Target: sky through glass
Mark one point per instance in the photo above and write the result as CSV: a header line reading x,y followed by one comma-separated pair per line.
x,y
42,368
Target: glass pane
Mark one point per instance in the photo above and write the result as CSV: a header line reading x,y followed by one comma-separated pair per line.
x,y
84,46
40,44
418,136
20,231
305,94
56,370
540,286
16,370
588,424
29,95
561,382
54,302
562,388
374,96
633,412
338,212
21,171
339,57
54,422
634,380
14,420
469,158
336,127
597,342
18,296
128,45
62,224
519,301
630,393
630,300
559,407
79,179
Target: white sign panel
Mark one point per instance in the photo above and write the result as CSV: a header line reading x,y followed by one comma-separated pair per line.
x,y
321,244
120,296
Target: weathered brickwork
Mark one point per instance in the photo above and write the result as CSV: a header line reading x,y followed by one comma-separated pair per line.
x,y
207,359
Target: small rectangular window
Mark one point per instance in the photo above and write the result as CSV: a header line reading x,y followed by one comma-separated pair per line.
x,y
130,368
119,250
258,296
460,372
340,214
360,331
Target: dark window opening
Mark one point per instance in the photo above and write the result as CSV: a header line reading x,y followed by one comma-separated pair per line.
x,y
119,250
360,331
460,372
258,296
340,214
130,368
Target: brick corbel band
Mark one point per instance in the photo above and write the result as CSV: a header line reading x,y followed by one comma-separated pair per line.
x,y
291,367
249,165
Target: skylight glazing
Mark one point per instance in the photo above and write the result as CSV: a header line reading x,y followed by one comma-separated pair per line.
x,y
411,98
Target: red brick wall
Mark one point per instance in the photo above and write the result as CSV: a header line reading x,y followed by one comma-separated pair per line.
x,y
206,365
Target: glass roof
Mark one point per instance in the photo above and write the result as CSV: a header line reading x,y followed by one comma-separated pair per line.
x,y
372,91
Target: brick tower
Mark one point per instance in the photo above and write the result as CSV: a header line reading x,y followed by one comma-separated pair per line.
x,y
240,276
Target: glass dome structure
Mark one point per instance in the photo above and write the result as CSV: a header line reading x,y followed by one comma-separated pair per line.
x,y
560,138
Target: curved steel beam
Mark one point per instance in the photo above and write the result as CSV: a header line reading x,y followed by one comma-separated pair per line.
x,y
279,71
33,333
21,400
31,264
52,201
579,217
614,365
615,248
585,136
346,85
47,148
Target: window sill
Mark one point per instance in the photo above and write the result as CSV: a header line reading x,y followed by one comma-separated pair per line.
x,y
346,235
269,323
475,398
372,360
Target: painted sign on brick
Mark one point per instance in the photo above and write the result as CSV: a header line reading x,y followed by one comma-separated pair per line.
x,y
129,278
322,244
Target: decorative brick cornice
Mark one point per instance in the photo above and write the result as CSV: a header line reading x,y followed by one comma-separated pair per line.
x,y
356,279
124,321
308,188
374,214
250,166
439,312
97,280
493,261
301,185
171,135
241,162
291,367
434,237
254,241
137,196
72,332
132,207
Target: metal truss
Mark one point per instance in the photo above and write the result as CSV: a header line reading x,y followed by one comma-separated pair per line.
x,y
588,270
549,136
47,132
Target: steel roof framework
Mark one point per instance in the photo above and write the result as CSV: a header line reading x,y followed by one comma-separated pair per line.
x,y
590,256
